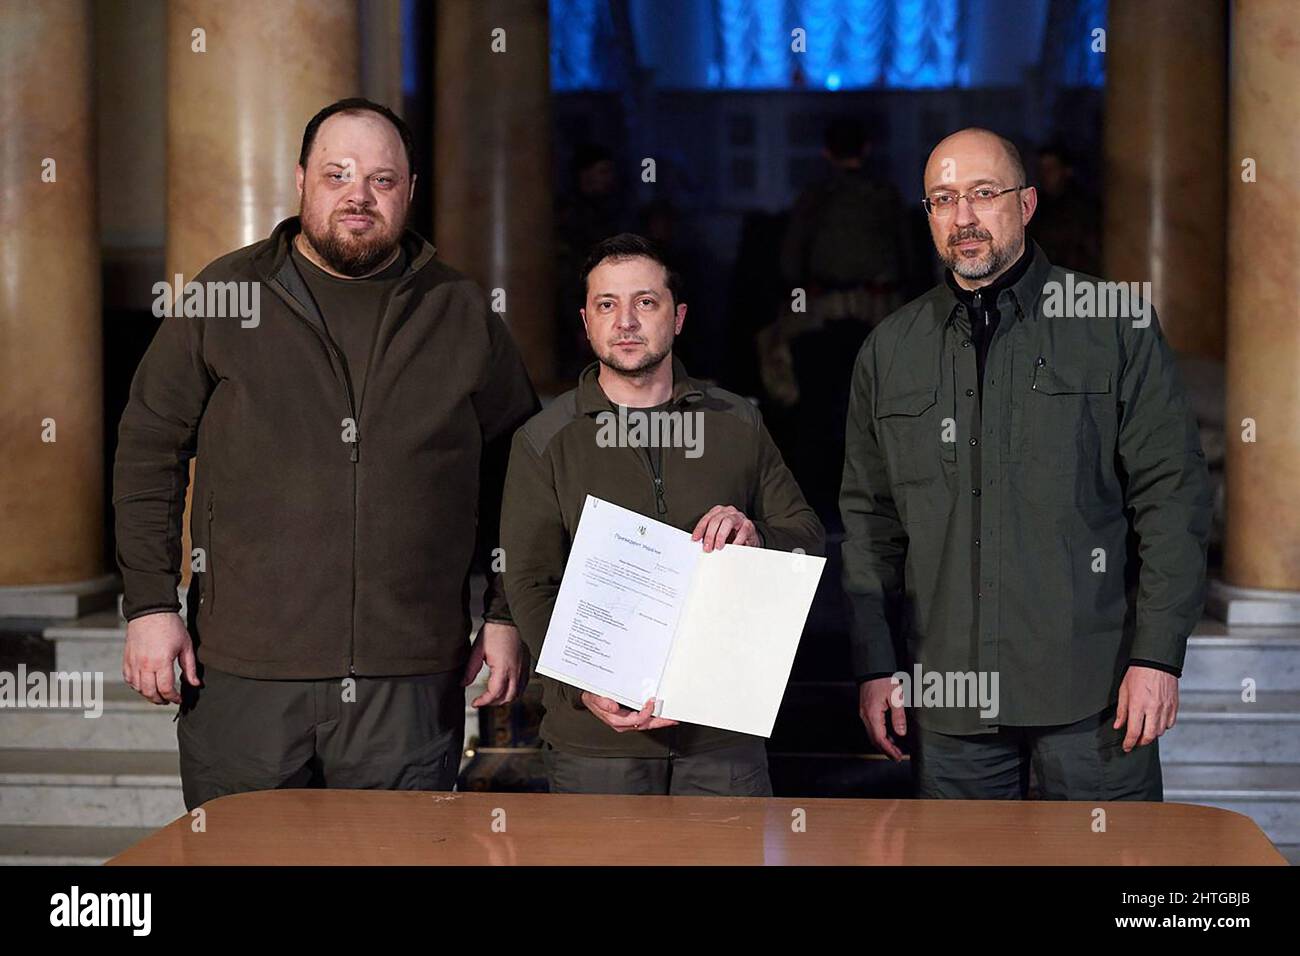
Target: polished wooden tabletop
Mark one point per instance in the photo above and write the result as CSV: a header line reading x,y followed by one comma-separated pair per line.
x,y
374,827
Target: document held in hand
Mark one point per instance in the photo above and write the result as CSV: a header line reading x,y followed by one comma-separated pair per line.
x,y
643,612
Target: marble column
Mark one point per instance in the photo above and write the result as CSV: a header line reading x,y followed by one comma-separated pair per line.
x,y
1164,149
492,162
236,113
51,405
1262,543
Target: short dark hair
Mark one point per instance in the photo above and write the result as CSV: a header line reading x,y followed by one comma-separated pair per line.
x,y
846,137
358,104
628,245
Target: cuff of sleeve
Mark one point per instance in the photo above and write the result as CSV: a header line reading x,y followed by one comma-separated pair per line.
x,y
874,676
1161,645
1156,665
495,608
146,611
146,593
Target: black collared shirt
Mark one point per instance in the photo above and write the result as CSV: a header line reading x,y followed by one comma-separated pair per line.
x,y
982,304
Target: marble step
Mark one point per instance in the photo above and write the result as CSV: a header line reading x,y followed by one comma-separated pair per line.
x,y
91,643
1220,657
1267,793
89,788
1218,727
128,722
66,846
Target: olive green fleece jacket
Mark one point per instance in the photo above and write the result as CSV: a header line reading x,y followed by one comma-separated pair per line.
x,y
557,460
336,532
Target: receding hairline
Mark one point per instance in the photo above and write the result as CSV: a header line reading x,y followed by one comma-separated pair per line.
x,y
1008,148
361,111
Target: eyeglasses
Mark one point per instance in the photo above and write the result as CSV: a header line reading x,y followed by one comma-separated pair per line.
x,y
981,199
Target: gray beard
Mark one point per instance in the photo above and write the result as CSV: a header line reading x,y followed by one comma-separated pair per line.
x,y
999,258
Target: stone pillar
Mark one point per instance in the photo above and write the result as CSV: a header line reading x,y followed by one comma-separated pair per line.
x,y
235,116
1262,543
51,405
1164,150
492,162
236,112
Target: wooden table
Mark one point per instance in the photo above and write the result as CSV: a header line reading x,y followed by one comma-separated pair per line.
x,y
369,827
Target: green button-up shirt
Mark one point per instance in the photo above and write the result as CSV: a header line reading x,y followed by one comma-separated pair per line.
x,y
991,537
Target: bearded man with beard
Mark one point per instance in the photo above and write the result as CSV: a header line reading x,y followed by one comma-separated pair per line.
x,y
999,454
351,447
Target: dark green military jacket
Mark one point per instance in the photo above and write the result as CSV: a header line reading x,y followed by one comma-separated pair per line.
x,y
993,539
557,460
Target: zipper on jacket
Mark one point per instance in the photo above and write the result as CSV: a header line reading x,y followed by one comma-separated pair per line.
x,y
661,507
354,454
352,633
209,566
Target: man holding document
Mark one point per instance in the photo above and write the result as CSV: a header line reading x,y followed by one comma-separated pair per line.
x,y
639,439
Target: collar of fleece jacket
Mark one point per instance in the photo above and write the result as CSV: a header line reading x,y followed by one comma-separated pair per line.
x,y
592,398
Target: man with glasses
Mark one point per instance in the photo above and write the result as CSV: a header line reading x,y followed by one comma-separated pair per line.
x,y
1004,440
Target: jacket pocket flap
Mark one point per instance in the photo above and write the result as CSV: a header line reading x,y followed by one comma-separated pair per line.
x,y
1068,380
906,403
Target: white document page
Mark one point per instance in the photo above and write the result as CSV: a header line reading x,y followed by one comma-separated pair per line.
x,y
643,612
624,586
737,638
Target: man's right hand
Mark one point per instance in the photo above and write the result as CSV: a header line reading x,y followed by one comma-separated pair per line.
x,y
875,698
622,719
153,644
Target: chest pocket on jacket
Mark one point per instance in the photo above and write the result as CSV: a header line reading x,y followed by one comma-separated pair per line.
x,y
913,431
1067,405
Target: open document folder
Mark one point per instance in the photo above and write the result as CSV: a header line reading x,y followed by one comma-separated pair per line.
x,y
643,612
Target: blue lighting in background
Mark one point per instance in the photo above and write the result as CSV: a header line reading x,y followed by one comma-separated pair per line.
x,y
410,51
849,44
1080,66
581,34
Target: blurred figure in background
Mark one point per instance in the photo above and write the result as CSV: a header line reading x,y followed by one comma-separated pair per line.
x,y
844,247
1068,222
595,207
704,347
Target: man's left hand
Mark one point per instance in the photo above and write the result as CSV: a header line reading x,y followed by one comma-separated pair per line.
x,y
723,524
1148,702
498,646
